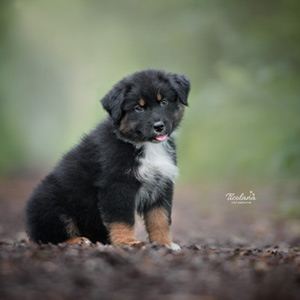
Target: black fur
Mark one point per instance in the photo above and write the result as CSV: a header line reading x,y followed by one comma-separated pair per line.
x,y
96,183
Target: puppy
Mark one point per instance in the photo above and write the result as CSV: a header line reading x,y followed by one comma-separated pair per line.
x,y
127,164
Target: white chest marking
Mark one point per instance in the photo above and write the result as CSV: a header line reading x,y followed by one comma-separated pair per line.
x,y
156,169
156,162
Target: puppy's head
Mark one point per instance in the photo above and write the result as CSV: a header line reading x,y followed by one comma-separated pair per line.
x,y
147,106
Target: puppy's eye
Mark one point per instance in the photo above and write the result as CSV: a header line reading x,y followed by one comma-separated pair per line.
x,y
139,109
163,102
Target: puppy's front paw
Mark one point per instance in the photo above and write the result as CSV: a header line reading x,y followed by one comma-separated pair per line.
x,y
174,247
129,243
137,244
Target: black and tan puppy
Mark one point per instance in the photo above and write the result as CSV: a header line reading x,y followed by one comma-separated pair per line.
x,y
126,165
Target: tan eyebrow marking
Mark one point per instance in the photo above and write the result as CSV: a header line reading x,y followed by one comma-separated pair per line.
x,y
159,97
142,102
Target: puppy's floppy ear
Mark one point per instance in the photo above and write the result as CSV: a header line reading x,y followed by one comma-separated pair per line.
x,y
112,103
181,85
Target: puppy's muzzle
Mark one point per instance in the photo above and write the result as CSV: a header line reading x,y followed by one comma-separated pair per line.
x,y
159,127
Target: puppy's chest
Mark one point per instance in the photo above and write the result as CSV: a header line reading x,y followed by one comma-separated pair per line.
x,y
156,169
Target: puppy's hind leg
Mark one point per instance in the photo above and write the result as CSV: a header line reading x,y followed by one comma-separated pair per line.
x,y
48,223
73,232
45,227
79,241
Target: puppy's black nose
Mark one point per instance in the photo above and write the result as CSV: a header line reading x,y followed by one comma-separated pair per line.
x,y
159,126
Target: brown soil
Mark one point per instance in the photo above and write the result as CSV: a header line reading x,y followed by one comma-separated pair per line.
x,y
228,252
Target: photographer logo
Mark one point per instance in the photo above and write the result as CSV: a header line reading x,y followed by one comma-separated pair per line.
x,y
242,198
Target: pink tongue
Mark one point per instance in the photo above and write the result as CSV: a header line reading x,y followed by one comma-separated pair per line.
x,y
161,137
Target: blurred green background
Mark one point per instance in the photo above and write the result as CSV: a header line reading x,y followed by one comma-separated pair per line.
x,y
59,58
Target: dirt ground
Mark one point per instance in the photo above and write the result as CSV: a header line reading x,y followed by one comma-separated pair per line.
x,y
229,251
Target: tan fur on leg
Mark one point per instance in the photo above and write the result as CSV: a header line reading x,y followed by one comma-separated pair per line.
x,y
157,226
122,234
